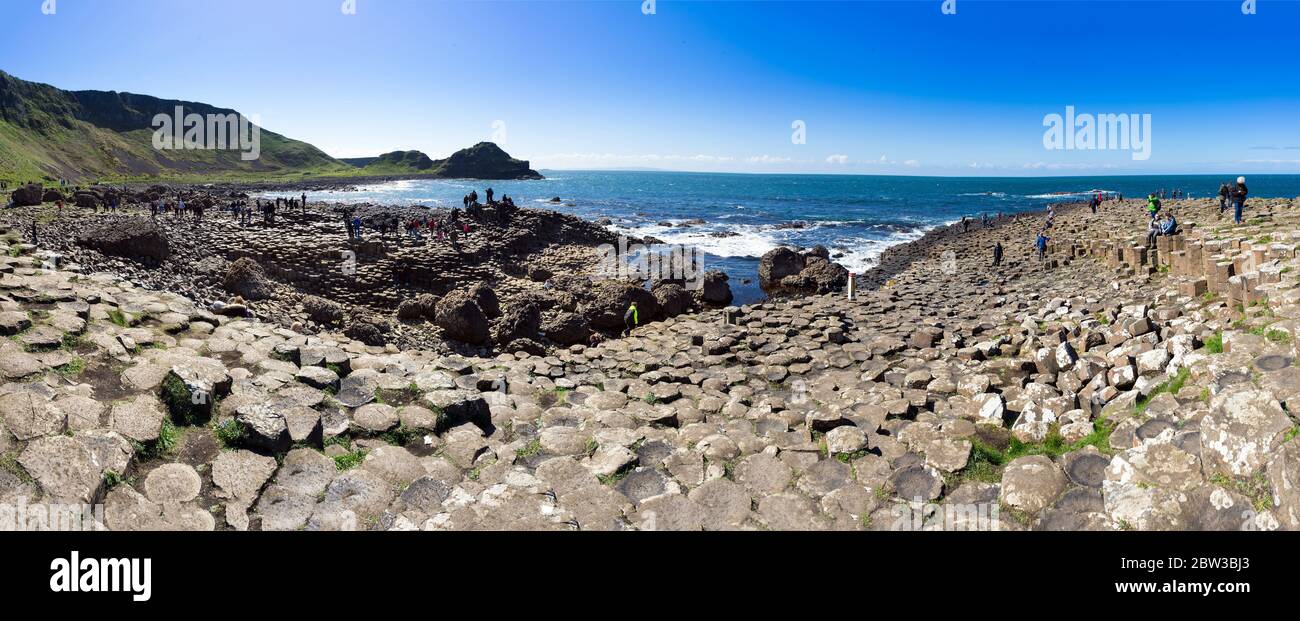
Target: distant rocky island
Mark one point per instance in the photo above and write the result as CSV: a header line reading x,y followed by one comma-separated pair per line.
x,y
484,160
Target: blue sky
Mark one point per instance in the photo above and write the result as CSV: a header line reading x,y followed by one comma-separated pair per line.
x,y
882,87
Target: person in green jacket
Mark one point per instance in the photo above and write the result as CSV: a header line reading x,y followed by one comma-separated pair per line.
x,y
1153,205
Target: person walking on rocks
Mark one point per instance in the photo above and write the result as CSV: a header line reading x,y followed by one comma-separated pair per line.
x,y
997,254
631,319
489,196
1238,199
1041,244
1224,192
304,203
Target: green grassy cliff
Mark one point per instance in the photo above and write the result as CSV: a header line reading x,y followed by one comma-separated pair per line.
x,y
48,133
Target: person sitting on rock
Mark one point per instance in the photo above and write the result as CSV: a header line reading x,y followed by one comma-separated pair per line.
x,y
631,319
1153,231
1170,226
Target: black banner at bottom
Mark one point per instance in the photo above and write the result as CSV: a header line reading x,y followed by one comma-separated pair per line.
x,y
141,571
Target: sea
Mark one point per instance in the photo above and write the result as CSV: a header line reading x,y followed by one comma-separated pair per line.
x,y
735,218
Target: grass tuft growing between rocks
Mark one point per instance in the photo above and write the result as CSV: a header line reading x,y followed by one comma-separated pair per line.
x,y
1214,344
1291,434
1172,387
349,461
1256,488
987,461
528,450
9,463
401,436
111,479
74,368
1275,336
180,403
849,457
230,434
168,438
117,317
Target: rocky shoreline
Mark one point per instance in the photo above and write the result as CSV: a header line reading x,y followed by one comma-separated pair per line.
x,y
528,272
1111,386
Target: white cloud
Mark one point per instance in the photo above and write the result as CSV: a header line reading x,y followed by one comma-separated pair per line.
x,y
837,159
768,159
912,163
1058,166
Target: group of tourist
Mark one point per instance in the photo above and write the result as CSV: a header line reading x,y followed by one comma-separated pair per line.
x,y
985,221
1234,194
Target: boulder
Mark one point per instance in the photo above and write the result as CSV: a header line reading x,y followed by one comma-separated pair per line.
x,y
672,298
367,329
811,271
423,306
610,299
462,319
486,299
248,280
566,328
137,239
715,289
321,310
776,264
27,195
520,321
